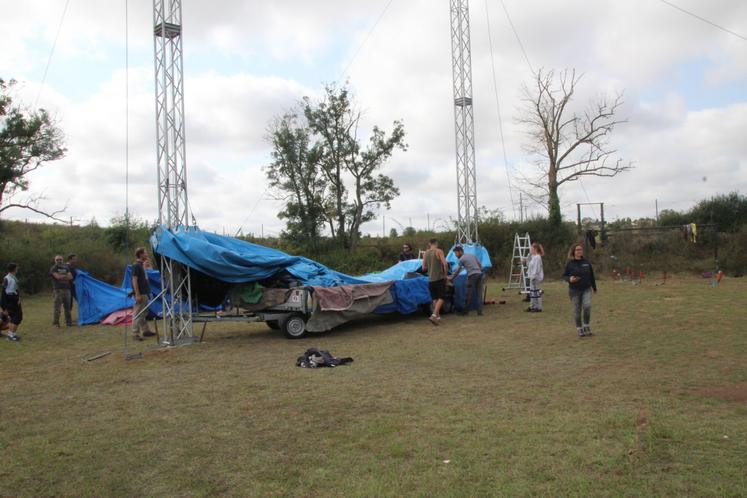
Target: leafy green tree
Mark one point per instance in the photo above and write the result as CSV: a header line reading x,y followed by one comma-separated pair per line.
x,y
28,139
296,178
126,233
335,123
728,211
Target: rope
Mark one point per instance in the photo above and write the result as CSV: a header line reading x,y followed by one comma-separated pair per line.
x,y
498,107
51,53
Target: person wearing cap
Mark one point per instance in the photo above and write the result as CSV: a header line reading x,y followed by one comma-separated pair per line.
x,y
474,279
406,253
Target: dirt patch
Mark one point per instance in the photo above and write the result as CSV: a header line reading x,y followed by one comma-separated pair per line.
x,y
736,393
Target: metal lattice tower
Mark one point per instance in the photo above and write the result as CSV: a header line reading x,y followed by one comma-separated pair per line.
x,y
173,212
464,123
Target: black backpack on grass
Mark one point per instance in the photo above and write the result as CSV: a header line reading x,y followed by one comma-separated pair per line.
x,y
316,358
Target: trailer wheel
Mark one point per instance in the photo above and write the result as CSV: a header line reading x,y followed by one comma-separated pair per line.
x,y
273,324
294,326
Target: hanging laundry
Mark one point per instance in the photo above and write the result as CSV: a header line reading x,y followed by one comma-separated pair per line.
x,y
693,233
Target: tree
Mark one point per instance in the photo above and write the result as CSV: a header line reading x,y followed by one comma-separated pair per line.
x,y
28,139
570,145
296,178
335,122
126,232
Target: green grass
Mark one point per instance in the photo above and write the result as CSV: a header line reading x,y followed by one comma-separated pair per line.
x,y
515,402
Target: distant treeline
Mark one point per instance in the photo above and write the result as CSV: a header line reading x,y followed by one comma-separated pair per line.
x,y
646,245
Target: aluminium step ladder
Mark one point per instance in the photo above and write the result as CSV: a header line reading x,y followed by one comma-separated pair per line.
x,y
517,278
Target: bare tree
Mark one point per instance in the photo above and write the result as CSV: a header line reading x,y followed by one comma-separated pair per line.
x,y
569,145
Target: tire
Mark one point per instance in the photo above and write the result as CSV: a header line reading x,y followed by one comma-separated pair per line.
x,y
294,326
273,324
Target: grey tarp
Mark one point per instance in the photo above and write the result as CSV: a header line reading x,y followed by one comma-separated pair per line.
x,y
359,303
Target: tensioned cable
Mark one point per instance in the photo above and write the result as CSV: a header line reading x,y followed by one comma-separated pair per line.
x,y
498,107
526,58
516,34
127,119
370,31
241,227
696,16
51,53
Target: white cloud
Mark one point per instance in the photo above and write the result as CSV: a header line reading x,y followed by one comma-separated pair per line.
x,y
403,71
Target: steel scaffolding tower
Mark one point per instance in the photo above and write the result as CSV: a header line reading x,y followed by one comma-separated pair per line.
x,y
173,212
464,123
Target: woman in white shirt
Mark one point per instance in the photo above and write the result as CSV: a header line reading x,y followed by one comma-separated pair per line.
x,y
536,276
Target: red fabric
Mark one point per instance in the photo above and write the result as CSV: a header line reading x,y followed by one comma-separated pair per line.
x,y
120,317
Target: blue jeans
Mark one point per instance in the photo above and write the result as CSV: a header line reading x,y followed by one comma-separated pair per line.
x,y
474,292
581,302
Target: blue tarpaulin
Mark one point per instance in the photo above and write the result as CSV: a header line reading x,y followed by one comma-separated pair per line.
x,y
96,299
237,261
233,260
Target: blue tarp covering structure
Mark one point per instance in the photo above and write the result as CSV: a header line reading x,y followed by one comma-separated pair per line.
x,y
233,260
236,261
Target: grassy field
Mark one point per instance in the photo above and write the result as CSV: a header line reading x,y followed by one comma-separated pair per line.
x,y
508,404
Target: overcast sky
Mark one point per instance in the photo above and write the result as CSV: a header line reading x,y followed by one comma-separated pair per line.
x,y
684,81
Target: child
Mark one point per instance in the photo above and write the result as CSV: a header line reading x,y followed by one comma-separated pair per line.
x,y
10,300
536,276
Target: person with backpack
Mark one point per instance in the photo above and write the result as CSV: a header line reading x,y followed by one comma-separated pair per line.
x,y
580,277
536,275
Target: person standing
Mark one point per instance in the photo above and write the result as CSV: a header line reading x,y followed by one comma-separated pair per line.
x,y
141,291
474,279
434,263
62,279
10,300
536,275
72,263
406,253
580,277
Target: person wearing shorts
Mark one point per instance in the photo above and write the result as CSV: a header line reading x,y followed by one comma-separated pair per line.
x,y
10,300
435,265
